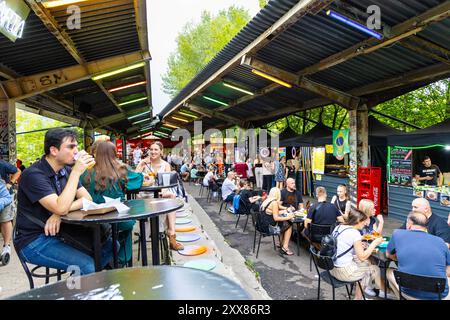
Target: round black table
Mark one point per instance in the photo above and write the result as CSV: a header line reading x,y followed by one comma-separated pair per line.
x,y
142,283
141,210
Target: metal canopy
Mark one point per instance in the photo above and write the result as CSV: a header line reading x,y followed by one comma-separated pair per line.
x,y
324,60
112,35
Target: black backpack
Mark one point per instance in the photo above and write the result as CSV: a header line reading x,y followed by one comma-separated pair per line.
x,y
329,245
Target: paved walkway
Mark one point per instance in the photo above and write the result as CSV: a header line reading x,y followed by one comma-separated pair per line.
x,y
283,277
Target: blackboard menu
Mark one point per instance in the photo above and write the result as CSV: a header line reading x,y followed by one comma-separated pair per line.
x,y
400,166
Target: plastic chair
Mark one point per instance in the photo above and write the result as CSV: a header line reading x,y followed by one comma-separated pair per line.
x,y
422,283
262,234
33,273
326,263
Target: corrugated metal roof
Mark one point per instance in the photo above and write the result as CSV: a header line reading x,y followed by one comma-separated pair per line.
x,y
108,28
311,39
35,52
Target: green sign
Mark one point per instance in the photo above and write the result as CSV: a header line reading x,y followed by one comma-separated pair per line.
x,y
340,143
13,14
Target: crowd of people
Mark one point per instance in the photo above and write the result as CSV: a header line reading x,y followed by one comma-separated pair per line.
x,y
64,176
355,261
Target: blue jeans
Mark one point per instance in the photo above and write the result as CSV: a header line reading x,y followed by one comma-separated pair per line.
x,y
51,252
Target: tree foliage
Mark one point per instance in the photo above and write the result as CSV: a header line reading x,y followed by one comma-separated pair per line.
x,y
197,44
31,145
423,107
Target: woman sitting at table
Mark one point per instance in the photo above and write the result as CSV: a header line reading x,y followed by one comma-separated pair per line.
x,y
352,261
341,201
272,212
375,224
153,164
108,178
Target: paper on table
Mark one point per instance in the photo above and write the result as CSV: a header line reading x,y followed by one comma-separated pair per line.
x,y
109,202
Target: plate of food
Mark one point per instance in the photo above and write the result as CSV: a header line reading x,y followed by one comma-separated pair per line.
x,y
368,237
445,200
431,195
418,193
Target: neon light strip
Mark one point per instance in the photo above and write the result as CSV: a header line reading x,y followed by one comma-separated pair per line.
x,y
187,114
422,147
238,89
269,77
132,101
111,73
138,115
140,121
216,101
127,86
180,119
354,24
58,3
171,125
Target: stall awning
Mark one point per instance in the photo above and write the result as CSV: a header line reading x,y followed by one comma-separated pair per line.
x,y
439,134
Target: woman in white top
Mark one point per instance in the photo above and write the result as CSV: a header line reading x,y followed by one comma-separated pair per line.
x,y
153,164
352,261
258,172
341,201
268,169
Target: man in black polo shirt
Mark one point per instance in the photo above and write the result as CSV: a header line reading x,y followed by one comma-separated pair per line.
x,y
48,190
436,225
429,174
290,196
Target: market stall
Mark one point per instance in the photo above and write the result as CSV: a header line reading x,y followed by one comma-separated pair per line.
x,y
300,149
406,152
336,171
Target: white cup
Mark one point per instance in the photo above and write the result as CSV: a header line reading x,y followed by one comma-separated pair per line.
x,y
166,179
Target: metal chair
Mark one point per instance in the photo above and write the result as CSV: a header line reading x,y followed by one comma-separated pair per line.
x,y
315,234
262,233
422,283
243,210
326,263
33,273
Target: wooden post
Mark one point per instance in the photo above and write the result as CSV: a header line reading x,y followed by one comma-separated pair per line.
x,y
359,153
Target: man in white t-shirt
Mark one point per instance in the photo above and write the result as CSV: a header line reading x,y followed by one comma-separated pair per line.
x,y
228,188
207,177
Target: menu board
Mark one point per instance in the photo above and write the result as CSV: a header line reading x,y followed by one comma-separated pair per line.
x,y
400,166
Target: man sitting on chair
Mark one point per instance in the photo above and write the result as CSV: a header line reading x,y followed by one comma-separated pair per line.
x,y
229,188
419,253
290,196
322,212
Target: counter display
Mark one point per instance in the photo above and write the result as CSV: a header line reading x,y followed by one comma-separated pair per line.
x,y
401,197
440,195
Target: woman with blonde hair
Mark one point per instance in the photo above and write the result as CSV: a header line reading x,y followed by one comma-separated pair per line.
x,y
273,213
341,201
154,164
375,223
